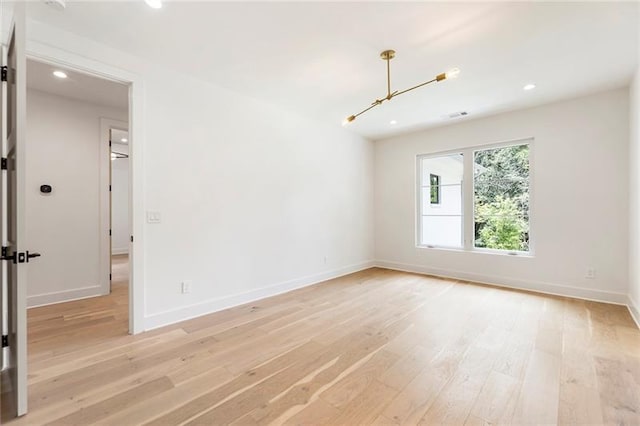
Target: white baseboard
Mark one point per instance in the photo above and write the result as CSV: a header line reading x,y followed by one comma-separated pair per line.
x,y
63,296
634,310
117,251
539,287
213,305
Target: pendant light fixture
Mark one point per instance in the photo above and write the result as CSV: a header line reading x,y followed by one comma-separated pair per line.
x,y
388,55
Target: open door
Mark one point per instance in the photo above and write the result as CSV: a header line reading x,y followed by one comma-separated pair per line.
x,y
15,257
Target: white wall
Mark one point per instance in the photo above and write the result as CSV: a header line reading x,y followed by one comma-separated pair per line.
x,y
579,203
120,202
250,197
634,198
63,138
254,200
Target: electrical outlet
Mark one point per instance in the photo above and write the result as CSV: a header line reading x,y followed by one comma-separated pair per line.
x,y
185,287
153,217
591,273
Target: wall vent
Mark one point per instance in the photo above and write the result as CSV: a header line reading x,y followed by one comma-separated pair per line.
x,y
458,114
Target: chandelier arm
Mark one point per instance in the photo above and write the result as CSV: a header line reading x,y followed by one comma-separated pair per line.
x,y
375,104
415,87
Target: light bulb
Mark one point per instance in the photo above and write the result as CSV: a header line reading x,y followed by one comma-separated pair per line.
x,y
60,74
529,86
348,120
452,73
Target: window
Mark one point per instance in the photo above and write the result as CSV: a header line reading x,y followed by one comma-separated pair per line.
x,y
501,198
476,199
441,200
435,189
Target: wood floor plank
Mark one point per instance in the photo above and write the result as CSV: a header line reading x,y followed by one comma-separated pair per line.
x,y
317,413
408,367
619,393
164,402
366,407
579,405
410,405
539,398
456,400
498,392
96,412
353,384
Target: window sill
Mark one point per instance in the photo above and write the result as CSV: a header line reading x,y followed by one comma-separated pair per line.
x,y
479,251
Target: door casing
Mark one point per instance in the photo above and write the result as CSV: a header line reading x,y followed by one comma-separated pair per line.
x,y
48,54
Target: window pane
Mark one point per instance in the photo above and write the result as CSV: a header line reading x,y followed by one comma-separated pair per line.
x,y
450,201
501,198
444,231
441,200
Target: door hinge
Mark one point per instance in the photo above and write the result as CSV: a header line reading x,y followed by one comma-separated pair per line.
x,y
4,164
109,277
109,142
132,238
5,340
109,188
109,232
5,251
15,258
5,73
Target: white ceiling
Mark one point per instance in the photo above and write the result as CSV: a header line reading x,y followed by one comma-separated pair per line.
x,y
77,85
323,58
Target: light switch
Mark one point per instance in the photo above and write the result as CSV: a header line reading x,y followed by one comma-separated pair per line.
x,y
153,217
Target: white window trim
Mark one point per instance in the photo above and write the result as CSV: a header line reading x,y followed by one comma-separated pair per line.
x,y
468,206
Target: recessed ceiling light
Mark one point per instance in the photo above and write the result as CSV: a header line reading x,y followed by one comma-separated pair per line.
x,y
60,74
393,122
56,4
529,86
154,4
124,140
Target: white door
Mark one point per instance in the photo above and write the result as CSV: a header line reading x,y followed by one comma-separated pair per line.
x,y
15,259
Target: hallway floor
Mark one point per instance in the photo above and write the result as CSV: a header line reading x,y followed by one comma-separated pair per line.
x,y
65,327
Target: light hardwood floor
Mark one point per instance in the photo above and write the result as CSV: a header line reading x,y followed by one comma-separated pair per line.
x,y
64,327
377,346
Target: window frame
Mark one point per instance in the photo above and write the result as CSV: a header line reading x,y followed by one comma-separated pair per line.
x,y
468,202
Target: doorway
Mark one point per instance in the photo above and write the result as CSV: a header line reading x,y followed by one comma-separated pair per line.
x,y
73,301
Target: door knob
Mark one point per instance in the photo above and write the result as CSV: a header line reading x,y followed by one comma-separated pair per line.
x,y
32,255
